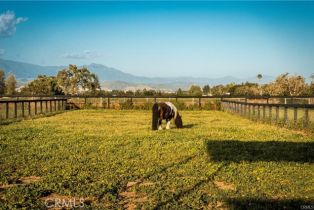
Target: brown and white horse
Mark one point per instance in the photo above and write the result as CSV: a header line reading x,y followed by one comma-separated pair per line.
x,y
167,111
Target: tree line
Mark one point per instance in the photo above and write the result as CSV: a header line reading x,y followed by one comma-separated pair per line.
x,y
7,84
80,81
283,85
69,81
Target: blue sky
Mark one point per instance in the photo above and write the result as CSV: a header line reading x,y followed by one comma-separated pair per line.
x,y
202,39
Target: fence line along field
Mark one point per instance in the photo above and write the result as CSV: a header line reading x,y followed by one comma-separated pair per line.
x,y
112,159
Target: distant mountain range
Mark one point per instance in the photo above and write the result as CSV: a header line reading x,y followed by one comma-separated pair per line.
x,y
112,78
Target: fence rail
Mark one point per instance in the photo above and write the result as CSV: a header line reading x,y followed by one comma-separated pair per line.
x,y
287,114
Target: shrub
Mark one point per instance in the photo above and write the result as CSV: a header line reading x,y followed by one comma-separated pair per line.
x,y
128,104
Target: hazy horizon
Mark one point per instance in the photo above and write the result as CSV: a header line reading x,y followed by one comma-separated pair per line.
x,y
160,39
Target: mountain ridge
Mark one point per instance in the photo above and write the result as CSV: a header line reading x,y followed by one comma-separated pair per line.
x,y
110,77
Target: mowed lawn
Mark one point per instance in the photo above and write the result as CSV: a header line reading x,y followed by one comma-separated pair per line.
x,y
113,160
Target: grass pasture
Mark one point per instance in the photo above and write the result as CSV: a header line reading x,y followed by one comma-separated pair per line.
x,y
113,160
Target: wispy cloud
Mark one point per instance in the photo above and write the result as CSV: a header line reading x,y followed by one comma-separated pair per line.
x,y
86,54
2,51
8,22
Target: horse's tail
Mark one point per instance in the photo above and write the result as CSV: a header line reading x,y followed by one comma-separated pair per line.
x,y
178,121
155,116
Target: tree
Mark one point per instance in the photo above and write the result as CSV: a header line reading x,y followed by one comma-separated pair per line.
x,y
179,92
259,77
218,90
10,84
286,85
246,90
195,90
74,80
2,82
311,87
43,85
206,89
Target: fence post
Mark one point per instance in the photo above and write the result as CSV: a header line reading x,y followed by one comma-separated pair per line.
x,y
244,109
306,117
46,106
7,110
286,115
199,103
29,108
295,115
55,105
35,107
270,113
62,103
259,112
264,112
41,106
15,109
108,102
277,114
101,102
50,106
23,113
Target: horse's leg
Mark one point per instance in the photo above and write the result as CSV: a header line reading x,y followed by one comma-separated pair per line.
x,y
168,124
159,123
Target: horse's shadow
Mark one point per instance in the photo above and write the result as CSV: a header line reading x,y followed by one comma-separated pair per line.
x,y
188,126
252,151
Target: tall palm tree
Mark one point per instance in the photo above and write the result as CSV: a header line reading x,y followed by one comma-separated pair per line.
x,y
259,77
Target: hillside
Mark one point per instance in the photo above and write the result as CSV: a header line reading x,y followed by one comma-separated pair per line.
x,y
112,78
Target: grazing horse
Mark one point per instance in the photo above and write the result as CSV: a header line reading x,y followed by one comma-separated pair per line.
x,y
167,111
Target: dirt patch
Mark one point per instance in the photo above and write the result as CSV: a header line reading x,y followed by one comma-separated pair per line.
x,y
25,180
144,184
29,179
224,186
128,195
6,186
131,184
140,183
130,199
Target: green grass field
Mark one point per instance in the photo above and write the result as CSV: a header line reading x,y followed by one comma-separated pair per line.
x,y
112,159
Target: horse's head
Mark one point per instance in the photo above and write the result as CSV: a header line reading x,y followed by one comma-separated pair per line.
x,y
178,121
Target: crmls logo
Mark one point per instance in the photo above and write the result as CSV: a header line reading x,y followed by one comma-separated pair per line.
x,y
64,203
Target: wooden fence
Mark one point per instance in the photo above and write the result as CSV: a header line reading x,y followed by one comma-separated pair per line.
x,y
292,114
253,107
30,107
